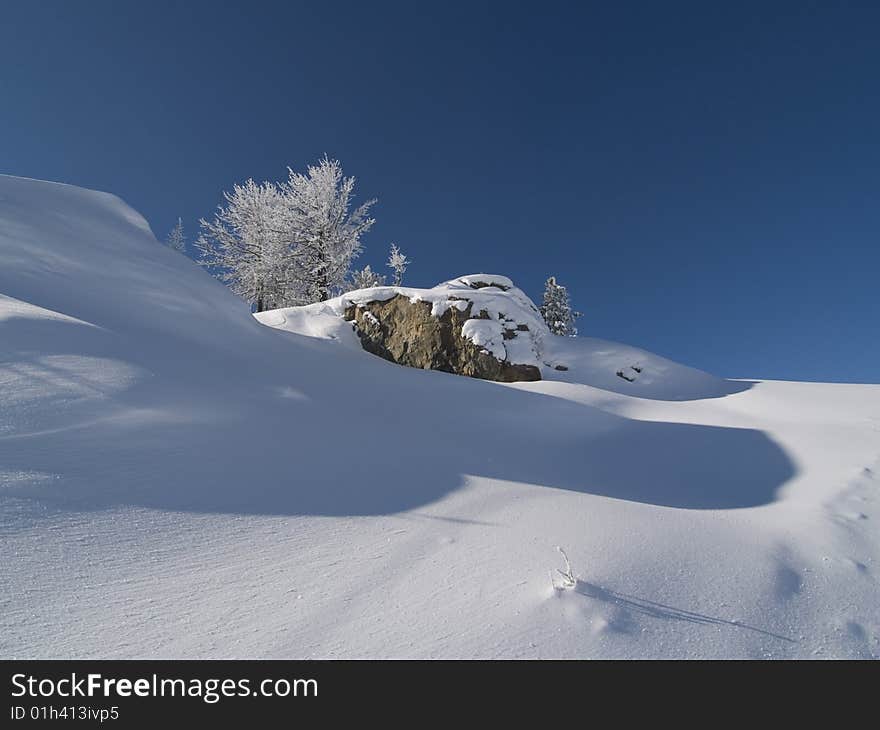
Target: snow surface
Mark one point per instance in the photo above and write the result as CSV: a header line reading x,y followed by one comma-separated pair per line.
x,y
178,480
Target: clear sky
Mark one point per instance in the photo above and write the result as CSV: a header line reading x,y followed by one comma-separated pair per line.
x,y
703,176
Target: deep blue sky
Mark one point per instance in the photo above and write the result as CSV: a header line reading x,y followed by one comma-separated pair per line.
x,y
705,177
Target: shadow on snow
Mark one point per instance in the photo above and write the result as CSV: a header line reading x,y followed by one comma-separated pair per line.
x,y
282,425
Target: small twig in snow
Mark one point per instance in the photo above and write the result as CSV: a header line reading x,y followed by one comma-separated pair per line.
x,y
568,578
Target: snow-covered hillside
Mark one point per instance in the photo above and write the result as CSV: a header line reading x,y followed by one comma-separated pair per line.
x,y
179,480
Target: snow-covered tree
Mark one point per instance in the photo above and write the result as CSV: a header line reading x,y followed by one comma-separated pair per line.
x,y
289,244
325,232
365,278
176,238
397,262
248,245
556,309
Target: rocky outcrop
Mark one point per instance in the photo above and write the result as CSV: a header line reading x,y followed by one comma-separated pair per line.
x,y
480,325
407,331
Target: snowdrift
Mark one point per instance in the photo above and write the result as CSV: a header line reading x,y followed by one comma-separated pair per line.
x,y
179,480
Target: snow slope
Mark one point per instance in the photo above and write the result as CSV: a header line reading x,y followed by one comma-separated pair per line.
x,y
179,480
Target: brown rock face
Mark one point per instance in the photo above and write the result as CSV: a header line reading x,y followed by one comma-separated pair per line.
x,y
407,333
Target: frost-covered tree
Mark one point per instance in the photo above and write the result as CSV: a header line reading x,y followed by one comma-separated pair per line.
x,y
397,262
325,231
556,309
248,245
365,278
176,238
289,244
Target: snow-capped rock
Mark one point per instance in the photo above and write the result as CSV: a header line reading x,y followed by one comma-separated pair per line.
x,y
480,325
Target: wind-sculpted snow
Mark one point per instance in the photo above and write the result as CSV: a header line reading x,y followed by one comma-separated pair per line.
x,y
179,480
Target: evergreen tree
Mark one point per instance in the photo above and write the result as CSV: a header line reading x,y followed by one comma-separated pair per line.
x,y
556,309
176,238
